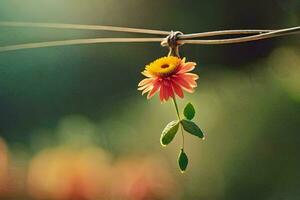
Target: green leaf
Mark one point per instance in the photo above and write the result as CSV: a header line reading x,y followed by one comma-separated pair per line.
x,y
189,111
182,161
192,128
169,132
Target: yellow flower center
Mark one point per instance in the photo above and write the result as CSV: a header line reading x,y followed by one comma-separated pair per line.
x,y
163,66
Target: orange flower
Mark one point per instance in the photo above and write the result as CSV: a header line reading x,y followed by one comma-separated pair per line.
x,y
168,75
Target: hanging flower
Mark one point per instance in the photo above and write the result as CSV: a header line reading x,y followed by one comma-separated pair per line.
x,y
168,75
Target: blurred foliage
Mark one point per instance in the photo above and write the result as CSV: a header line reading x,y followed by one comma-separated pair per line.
x,y
65,101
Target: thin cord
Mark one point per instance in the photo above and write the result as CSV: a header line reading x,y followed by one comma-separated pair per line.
x,y
225,32
75,42
83,27
132,30
271,34
182,38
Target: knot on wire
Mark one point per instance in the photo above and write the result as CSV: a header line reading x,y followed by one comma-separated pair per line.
x,y
172,42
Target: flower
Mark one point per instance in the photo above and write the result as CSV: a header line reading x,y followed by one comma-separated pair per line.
x,y
168,75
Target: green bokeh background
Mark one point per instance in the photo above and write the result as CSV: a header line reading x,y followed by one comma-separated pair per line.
x,y
247,100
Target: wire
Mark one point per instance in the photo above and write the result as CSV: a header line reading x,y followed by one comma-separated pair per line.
x,y
84,27
225,32
75,42
271,34
182,38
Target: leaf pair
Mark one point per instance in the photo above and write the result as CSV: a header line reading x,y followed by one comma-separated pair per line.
x,y
188,125
171,129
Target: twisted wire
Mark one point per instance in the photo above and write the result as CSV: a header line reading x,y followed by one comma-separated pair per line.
x,y
170,38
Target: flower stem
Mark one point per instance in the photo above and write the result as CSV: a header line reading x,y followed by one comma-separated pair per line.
x,y
178,115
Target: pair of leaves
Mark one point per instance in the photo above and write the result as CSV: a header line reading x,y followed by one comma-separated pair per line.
x,y
171,129
187,124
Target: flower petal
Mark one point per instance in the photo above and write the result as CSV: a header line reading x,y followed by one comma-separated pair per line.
x,y
147,89
144,86
145,81
189,90
189,66
183,60
191,81
161,92
147,74
155,88
194,76
177,89
165,92
169,90
182,82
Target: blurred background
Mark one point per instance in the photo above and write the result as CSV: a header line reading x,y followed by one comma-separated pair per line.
x,y
74,127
